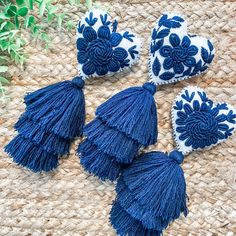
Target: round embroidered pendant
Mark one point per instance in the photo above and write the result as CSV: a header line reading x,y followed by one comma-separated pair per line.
x,y
102,50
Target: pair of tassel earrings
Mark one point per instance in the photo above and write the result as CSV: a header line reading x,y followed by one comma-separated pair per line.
x,y
151,189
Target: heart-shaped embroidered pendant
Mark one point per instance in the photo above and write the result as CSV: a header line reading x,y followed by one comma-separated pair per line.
x,y
174,54
102,50
198,122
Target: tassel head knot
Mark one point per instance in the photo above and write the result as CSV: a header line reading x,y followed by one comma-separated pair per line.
x,y
177,156
152,88
78,81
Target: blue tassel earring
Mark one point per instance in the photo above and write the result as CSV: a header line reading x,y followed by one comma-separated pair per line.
x,y
55,115
128,120
151,192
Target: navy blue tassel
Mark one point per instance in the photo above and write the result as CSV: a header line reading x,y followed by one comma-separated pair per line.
x,y
126,225
124,123
54,116
27,154
151,191
59,108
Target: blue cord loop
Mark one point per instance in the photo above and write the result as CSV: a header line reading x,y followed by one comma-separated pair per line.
x,y
152,88
78,81
177,156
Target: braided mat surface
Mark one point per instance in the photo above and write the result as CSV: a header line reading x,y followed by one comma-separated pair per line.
x,y
68,201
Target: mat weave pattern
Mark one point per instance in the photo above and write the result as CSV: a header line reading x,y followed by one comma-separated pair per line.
x,y
68,201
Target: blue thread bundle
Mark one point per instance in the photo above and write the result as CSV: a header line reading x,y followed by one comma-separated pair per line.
x,y
151,193
54,116
124,123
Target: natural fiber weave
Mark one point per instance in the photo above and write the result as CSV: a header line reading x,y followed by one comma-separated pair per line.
x,y
70,202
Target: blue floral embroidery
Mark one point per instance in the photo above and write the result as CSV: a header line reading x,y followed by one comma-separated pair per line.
x,y
98,51
202,125
180,54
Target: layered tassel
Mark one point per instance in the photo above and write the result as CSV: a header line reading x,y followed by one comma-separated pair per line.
x,y
151,193
124,124
54,116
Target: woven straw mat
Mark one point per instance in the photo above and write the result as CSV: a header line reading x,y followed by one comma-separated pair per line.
x,y
71,202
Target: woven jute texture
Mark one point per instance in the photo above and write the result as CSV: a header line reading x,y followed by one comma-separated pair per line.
x,y
71,202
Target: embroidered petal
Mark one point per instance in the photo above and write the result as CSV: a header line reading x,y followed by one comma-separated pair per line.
x,y
115,39
182,115
178,67
82,57
114,66
192,50
88,68
186,42
188,109
165,51
174,40
168,63
81,44
120,54
101,70
104,32
89,34
183,136
196,105
190,62
189,142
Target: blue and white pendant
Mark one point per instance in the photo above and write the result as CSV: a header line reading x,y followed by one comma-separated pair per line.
x,y
198,122
101,49
174,54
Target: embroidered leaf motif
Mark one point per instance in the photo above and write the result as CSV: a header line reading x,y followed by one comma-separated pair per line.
x,y
203,96
167,76
222,106
210,45
204,54
156,67
163,33
231,117
188,97
114,26
156,46
91,21
132,52
128,36
124,63
162,19
197,68
171,24
104,20
187,72
80,28
154,34
178,105
178,18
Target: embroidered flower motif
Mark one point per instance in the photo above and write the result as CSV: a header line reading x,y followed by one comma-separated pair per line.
x,y
180,54
96,52
200,123
101,49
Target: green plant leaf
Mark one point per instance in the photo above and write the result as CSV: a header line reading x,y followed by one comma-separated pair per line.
x,y
23,11
3,16
3,25
17,23
31,4
42,7
20,2
4,80
3,69
89,4
12,10
29,21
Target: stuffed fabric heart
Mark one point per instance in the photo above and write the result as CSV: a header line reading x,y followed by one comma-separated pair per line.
x,y
198,122
174,54
102,50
